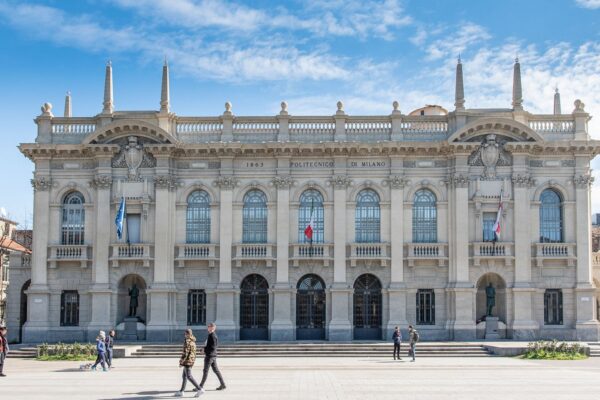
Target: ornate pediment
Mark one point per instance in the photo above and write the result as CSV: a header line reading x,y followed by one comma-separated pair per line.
x,y
490,154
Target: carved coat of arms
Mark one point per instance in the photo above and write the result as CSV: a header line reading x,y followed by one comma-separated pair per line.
x,y
490,154
133,156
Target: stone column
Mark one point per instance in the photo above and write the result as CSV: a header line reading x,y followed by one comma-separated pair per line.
x,y
100,290
282,328
397,289
226,293
339,326
162,291
38,294
587,320
460,289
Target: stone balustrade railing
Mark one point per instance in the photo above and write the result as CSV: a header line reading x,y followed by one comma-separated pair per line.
x,y
546,124
369,251
196,251
254,251
492,250
135,251
79,253
306,251
426,251
73,126
556,251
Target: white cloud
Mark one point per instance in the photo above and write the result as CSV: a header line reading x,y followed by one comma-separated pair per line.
x,y
591,4
452,43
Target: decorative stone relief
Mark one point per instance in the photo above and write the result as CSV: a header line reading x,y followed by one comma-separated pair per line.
x,y
396,182
41,183
523,181
458,181
340,182
583,181
490,154
226,182
283,182
133,156
101,182
165,182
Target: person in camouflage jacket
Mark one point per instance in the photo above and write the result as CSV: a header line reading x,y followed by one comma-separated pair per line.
x,y
187,360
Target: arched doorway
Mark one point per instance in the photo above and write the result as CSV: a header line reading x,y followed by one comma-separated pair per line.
x,y
23,308
310,308
127,283
499,310
254,308
367,308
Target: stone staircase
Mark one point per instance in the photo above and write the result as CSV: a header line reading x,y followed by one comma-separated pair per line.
x,y
323,349
17,351
594,349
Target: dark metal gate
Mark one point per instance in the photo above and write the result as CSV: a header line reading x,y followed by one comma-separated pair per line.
x,y
254,308
23,316
310,308
367,308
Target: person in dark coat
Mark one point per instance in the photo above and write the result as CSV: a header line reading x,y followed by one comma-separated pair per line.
x,y
413,337
109,341
101,349
210,357
3,349
187,360
397,338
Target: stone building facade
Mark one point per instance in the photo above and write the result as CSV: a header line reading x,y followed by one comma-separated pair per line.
x,y
403,210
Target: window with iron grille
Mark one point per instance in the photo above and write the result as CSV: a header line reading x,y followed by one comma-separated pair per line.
x,y
198,217
73,219
311,202
551,217
69,308
367,217
310,303
254,302
367,302
489,219
196,305
424,217
425,307
254,216
553,307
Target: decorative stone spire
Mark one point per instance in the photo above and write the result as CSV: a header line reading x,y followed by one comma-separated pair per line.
x,y
557,110
459,95
164,91
108,90
517,98
68,105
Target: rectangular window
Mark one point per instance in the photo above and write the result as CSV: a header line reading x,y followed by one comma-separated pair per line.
x,y
489,219
553,307
69,308
133,225
425,307
196,307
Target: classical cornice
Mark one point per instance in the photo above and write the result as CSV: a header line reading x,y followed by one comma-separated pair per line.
x,y
35,151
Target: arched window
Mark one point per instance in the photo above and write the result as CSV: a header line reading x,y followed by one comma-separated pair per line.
x,y
367,217
198,217
424,217
551,217
254,217
73,219
311,207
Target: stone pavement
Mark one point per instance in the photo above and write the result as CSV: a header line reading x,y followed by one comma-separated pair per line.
x,y
488,378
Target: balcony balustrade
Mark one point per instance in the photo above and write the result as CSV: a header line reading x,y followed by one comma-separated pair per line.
x,y
61,253
555,251
501,251
427,251
264,252
322,252
136,252
196,252
369,251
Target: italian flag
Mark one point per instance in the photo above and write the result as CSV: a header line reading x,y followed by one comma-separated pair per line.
x,y
308,231
497,225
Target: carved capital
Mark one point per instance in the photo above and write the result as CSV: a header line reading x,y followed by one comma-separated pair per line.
x,y
458,181
226,182
396,182
282,182
101,182
523,181
583,181
41,183
165,182
340,182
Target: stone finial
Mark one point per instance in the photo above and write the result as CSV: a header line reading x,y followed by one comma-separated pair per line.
x,y
579,106
68,113
340,108
284,108
108,90
517,97
557,110
164,89
459,92
227,108
396,107
47,110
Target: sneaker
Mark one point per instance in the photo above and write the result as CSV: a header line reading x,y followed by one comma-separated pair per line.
x,y
93,368
178,394
200,392
222,387
2,375
105,369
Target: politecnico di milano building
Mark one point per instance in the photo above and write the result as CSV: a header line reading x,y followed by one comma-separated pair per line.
x,y
403,211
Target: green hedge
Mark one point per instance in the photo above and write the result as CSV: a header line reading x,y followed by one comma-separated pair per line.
x,y
554,350
66,351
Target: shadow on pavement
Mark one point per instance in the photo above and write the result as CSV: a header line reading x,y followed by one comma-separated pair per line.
x,y
147,395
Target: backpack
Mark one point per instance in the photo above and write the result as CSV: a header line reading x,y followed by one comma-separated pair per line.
x,y
416,336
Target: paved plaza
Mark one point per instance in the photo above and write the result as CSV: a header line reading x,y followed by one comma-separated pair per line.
x,y
317,378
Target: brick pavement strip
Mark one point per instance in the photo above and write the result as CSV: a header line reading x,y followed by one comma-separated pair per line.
x,y
316,378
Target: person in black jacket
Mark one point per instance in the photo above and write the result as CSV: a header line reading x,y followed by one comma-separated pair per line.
x,y
210,357
397,338
109,347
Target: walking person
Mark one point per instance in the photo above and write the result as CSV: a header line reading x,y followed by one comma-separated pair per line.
x,y
109,341
397,338
3,349
413,337
187,360
101,349
210,358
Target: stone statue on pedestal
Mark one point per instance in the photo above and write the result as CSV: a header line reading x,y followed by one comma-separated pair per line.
x,y
134,293
490,294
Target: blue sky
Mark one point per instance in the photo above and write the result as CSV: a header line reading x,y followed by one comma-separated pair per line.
x,y
309,53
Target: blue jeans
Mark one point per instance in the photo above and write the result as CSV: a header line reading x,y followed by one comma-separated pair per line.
x,y
413,350
101,359
109,354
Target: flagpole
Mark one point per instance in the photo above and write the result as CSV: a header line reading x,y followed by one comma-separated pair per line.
x,y
310,248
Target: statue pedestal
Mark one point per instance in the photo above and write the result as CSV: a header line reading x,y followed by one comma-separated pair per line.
x,y
130,331
491,328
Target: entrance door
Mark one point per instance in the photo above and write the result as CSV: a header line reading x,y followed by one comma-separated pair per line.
x,y
367,308
310,308
23,313
254,308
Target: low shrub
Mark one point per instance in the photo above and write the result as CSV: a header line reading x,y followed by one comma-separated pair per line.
x,y
554,350
64,351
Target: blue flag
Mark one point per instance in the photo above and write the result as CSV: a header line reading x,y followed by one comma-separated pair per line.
x,y
120,218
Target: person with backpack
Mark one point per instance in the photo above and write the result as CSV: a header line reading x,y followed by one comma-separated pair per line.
x,y
101,349
413,337
397,338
